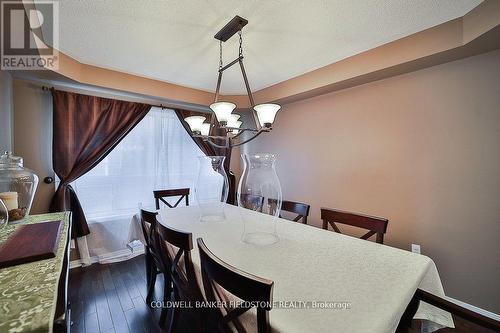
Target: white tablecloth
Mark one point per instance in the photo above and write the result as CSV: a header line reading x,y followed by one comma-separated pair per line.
x,y
135,229
311,264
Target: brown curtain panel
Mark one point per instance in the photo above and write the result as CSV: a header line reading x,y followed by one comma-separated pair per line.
x,y
86,129
208,149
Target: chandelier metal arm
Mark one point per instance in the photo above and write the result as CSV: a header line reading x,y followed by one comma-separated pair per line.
x,y
240,58
207,138
231,142
240,133
241,130
247,85
219,79
229,30
243,73
218,146
250,139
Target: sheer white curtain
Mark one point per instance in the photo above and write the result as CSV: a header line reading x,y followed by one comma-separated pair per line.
x,y
157,154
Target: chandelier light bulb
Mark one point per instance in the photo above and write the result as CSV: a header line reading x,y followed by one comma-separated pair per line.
x,y
266,113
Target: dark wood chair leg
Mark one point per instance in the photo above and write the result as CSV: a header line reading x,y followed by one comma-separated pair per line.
x,y
151,287
163,317
167,291
175,314
405,323
147,260
263,320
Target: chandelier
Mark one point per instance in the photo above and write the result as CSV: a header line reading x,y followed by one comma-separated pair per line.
x,y
229,122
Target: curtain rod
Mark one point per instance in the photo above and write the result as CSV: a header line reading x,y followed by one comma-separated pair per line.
x,y
163,107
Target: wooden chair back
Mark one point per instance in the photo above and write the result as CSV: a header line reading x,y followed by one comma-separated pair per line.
x,y
231,198
148,225
176,246
245,286
301,209
148,222
375,225
465,314
160,195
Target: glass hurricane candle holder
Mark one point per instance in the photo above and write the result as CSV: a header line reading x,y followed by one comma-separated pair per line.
x,y
259,198
212,188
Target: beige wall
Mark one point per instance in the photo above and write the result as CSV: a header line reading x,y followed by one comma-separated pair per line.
x,y
5,111
422,149
33,137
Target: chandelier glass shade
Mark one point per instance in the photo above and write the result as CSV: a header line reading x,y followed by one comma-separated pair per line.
x,y
234,123
223,111
264,114
196,123
205,129
237,124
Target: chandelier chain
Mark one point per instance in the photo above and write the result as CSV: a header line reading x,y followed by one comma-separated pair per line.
x,y
220,54
241,44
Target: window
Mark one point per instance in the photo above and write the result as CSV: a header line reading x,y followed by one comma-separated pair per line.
x,y
157,154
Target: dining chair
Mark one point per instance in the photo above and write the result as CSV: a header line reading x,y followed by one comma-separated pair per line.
x,y
231,198
253,290
473,319
154,264
301,209
160,195
176,246
375,225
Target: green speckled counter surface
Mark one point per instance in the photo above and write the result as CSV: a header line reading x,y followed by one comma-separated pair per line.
x,y
28,292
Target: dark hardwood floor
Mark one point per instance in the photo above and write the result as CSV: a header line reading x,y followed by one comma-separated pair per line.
x,y
111,298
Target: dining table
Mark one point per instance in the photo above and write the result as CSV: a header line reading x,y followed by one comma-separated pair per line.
x,y
323,281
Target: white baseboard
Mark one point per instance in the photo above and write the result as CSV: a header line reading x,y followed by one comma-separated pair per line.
x,y
79,263
108,258
468,306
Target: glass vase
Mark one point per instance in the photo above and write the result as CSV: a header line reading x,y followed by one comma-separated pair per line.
x,y
4,215
17,186
259,198
212,188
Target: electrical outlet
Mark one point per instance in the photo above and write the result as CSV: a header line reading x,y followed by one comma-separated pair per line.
x,y
415,248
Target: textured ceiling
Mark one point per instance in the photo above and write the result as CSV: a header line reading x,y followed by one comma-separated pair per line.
x,y
172,40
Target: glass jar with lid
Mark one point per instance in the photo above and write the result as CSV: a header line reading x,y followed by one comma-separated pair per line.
x,y
4,215
17,186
